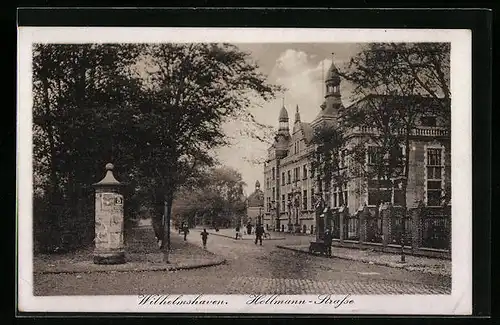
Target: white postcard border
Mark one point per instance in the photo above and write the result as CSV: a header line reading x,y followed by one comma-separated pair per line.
x,y
458,303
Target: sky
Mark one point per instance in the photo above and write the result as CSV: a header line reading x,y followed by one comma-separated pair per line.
x,y
301,69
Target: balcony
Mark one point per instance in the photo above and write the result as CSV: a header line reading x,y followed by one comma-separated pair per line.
x,y
418,131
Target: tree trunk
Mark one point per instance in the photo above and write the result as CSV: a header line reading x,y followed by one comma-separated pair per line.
x,y
166,227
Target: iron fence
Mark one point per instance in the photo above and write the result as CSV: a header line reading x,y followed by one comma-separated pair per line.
x,y
436,230
351,228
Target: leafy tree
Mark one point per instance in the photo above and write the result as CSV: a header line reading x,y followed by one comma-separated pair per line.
x,y
329,144
156,111
193,89
216,196
83,100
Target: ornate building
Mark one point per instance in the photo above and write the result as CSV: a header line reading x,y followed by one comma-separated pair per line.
x,y
290,182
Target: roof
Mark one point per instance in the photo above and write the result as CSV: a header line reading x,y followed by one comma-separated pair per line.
x,y
283,114
333,73
326,112
308,131
256,199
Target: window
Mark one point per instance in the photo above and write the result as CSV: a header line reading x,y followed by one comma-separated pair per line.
x,y
289,179
312,198
283,204
340,195
304,200
274,194
296,174
312,171
428,121
342,159
434,167
379,191
283,179
384,191
289,201
374,155
268,205
398,193
273,175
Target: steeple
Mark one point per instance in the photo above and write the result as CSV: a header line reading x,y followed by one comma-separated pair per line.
x,y
333,103
283,135
332,82
297,115
283,121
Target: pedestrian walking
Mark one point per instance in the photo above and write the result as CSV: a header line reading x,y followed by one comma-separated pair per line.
x,y
186,232
204,236
237,232
328,241
259,231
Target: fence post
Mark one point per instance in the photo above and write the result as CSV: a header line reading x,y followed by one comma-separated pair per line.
x,y
385,211
416,215
342,214
362,213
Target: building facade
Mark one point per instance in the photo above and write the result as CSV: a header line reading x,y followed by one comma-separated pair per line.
x,y
291,186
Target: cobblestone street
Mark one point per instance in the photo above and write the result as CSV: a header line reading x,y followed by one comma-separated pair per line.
x,y
250,269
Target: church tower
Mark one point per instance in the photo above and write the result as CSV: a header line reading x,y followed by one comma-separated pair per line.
x,y
332,84
283,135
330,108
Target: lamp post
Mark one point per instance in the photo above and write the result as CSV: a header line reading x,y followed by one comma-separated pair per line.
x,y
289,213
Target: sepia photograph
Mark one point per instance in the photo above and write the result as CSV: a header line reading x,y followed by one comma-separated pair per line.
x,y
182,172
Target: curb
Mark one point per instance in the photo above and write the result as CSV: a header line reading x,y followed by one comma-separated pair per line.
x,y
393,265
152,269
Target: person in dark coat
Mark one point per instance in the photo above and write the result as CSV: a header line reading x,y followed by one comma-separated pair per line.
x,y
328,241
186,232
157,223
259,231
237,232
204,237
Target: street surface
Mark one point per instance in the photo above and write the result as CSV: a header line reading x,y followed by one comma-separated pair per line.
x,y
252,269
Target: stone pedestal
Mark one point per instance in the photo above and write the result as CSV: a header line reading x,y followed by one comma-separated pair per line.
x,y
109,243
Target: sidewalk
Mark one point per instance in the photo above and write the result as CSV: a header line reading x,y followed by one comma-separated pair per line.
x,y
231,233
141,252
413,263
